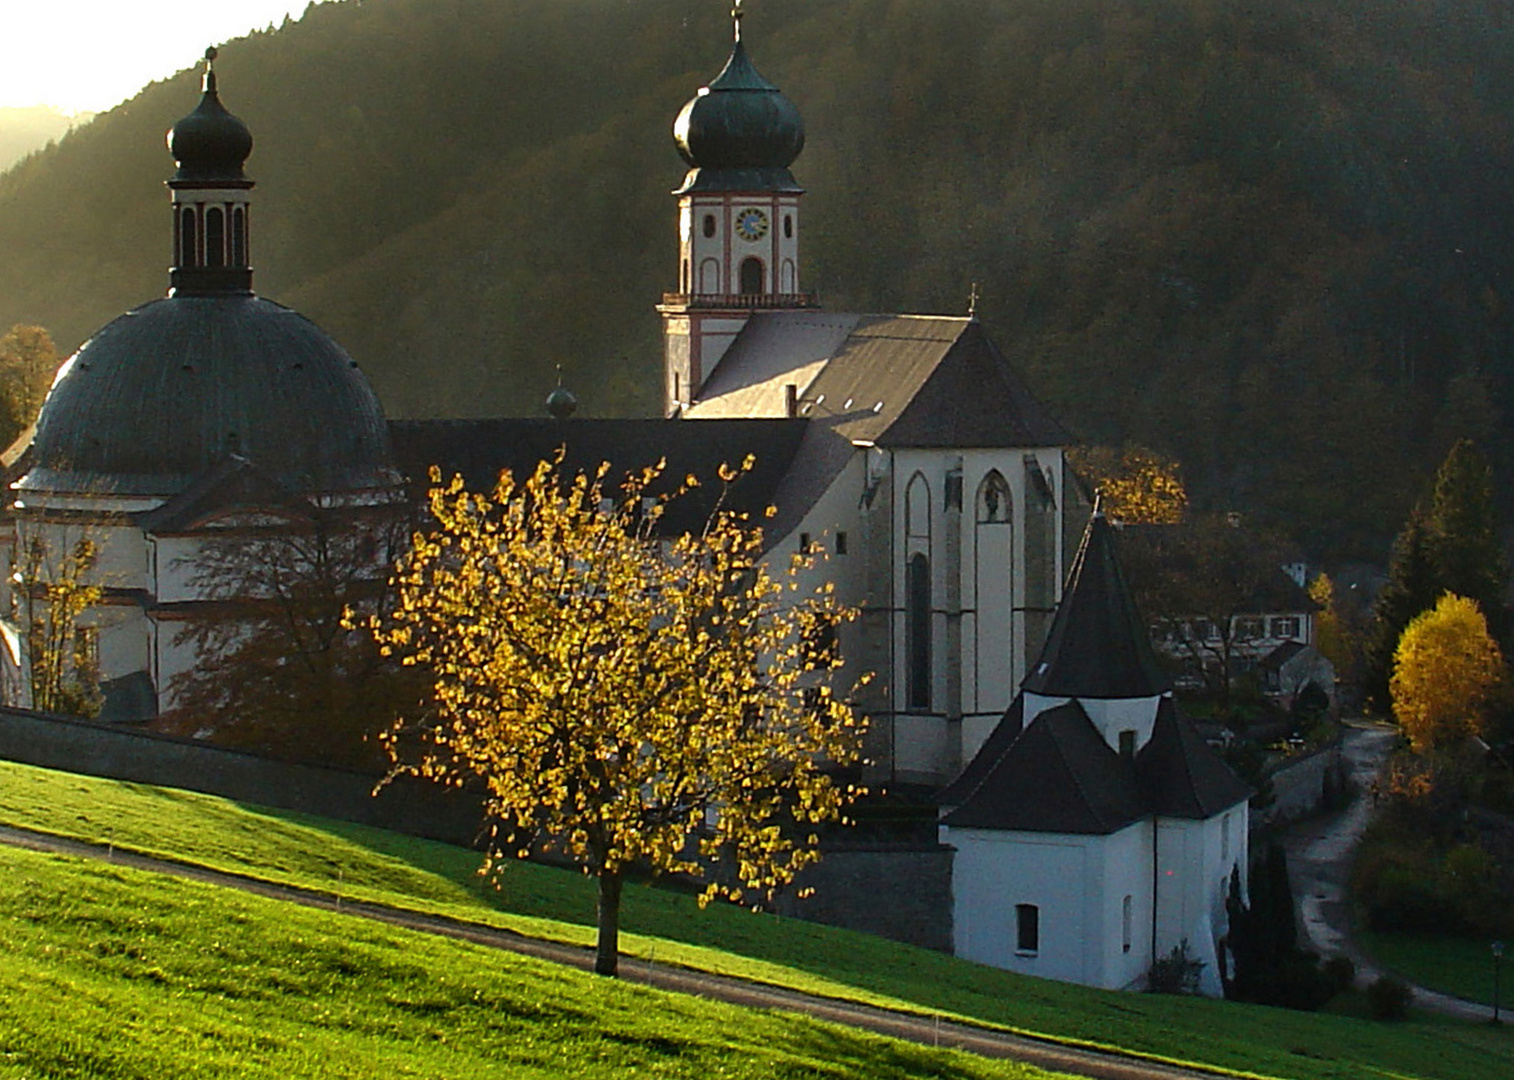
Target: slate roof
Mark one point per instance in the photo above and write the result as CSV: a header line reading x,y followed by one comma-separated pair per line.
x,y
999,740
1059,776
891,380
234,482
1180,774
1098,646
479,450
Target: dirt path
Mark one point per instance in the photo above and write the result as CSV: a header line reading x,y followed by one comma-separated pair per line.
x,y
926,1030
1319,861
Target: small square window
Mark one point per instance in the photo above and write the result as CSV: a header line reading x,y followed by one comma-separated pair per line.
x,y
841,543
804,543
1128,743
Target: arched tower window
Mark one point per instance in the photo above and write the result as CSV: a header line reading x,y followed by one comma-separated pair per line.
x,y
215,237
752,274
918,674
187,238
239,237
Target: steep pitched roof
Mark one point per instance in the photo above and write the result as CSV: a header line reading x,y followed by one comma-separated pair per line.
x,y
232,483
1059,776
479,450
893,380
999,740
1180,774
1098,646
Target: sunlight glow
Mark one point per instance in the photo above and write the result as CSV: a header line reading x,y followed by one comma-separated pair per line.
x,y
90,55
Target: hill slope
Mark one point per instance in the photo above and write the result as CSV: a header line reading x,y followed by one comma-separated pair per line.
x,y
1271,238
361,863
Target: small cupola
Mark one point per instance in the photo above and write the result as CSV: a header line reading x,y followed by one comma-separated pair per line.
x,y
211,202
741,123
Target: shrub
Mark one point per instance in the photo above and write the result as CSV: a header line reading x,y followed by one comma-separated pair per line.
x,y
1389,998
1341,972
1175,973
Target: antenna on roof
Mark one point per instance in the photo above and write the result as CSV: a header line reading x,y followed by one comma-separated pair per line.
x,y
736,15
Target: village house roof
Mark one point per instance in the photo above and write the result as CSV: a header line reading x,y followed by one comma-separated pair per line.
x,y
1098,646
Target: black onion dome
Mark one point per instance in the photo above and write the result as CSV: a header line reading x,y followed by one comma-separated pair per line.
x,y
179,385
739,121
210,144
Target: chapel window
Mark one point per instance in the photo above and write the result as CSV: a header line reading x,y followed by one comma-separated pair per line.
x,y
1027,929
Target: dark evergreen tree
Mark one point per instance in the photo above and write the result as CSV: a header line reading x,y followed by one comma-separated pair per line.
x,y
1462,530
1412,587
1267,966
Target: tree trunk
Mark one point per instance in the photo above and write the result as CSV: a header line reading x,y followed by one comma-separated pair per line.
x,y
607,950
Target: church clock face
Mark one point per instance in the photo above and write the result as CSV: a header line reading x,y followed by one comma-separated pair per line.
x,y
751,224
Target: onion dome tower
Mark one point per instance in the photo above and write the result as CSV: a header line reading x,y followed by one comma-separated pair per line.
x,y
738,219
211,372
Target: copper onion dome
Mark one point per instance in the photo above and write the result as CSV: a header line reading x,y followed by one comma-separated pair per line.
x,y
210,144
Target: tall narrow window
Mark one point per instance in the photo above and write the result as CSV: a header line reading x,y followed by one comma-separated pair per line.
x,y
1127,923
917,594
239,237
187,239
751,276
215,237
1027,929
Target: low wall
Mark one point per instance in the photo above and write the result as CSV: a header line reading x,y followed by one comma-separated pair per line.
x,y
1304,785
901,893
407,805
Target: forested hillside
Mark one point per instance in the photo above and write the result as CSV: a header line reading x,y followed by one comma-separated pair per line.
x,y
1270,237
25,130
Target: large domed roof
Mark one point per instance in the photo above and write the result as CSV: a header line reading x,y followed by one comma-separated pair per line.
x,y
178,385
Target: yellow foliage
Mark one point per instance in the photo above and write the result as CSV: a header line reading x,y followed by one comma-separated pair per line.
x,y
625,698
1445,670
1135,485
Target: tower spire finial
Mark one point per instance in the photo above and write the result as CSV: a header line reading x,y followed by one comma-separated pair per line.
x,y
208,84
736,16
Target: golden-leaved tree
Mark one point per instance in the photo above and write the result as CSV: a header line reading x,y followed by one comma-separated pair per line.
x,y
627,695
1445,671
1135,486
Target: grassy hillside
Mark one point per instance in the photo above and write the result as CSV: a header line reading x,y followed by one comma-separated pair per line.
x,y
1272,238
668,927
115,973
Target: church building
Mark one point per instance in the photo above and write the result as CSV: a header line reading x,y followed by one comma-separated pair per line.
x,y
1084,827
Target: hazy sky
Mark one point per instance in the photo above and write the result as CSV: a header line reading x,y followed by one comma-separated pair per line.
x,y
89,55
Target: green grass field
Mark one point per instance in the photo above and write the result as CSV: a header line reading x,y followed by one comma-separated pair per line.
x,y
116,973
1452,965
668,927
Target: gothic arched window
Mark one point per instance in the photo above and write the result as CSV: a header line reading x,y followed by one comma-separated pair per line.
x,y
918,674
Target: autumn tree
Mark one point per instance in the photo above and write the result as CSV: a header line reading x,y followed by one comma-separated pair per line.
x,y
1206,586
1135,486
28,361
625,698
1445,672
285,664
55,586
1449,545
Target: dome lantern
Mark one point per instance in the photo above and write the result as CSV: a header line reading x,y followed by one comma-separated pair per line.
x,y
211,200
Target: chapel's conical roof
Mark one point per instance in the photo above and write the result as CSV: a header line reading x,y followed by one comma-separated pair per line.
x,y
1098,647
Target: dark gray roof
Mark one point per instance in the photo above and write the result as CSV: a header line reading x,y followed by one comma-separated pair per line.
x,y
1059,776
1279,656
233,483
479,450
1098,646
740,132
893,380
177,386
999,740
1180,774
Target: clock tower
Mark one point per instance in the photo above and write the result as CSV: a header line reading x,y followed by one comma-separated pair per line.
x,y
738,220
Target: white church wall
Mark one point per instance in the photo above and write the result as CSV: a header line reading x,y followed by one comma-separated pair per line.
x,y
1113,717
1077,886
1194,859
